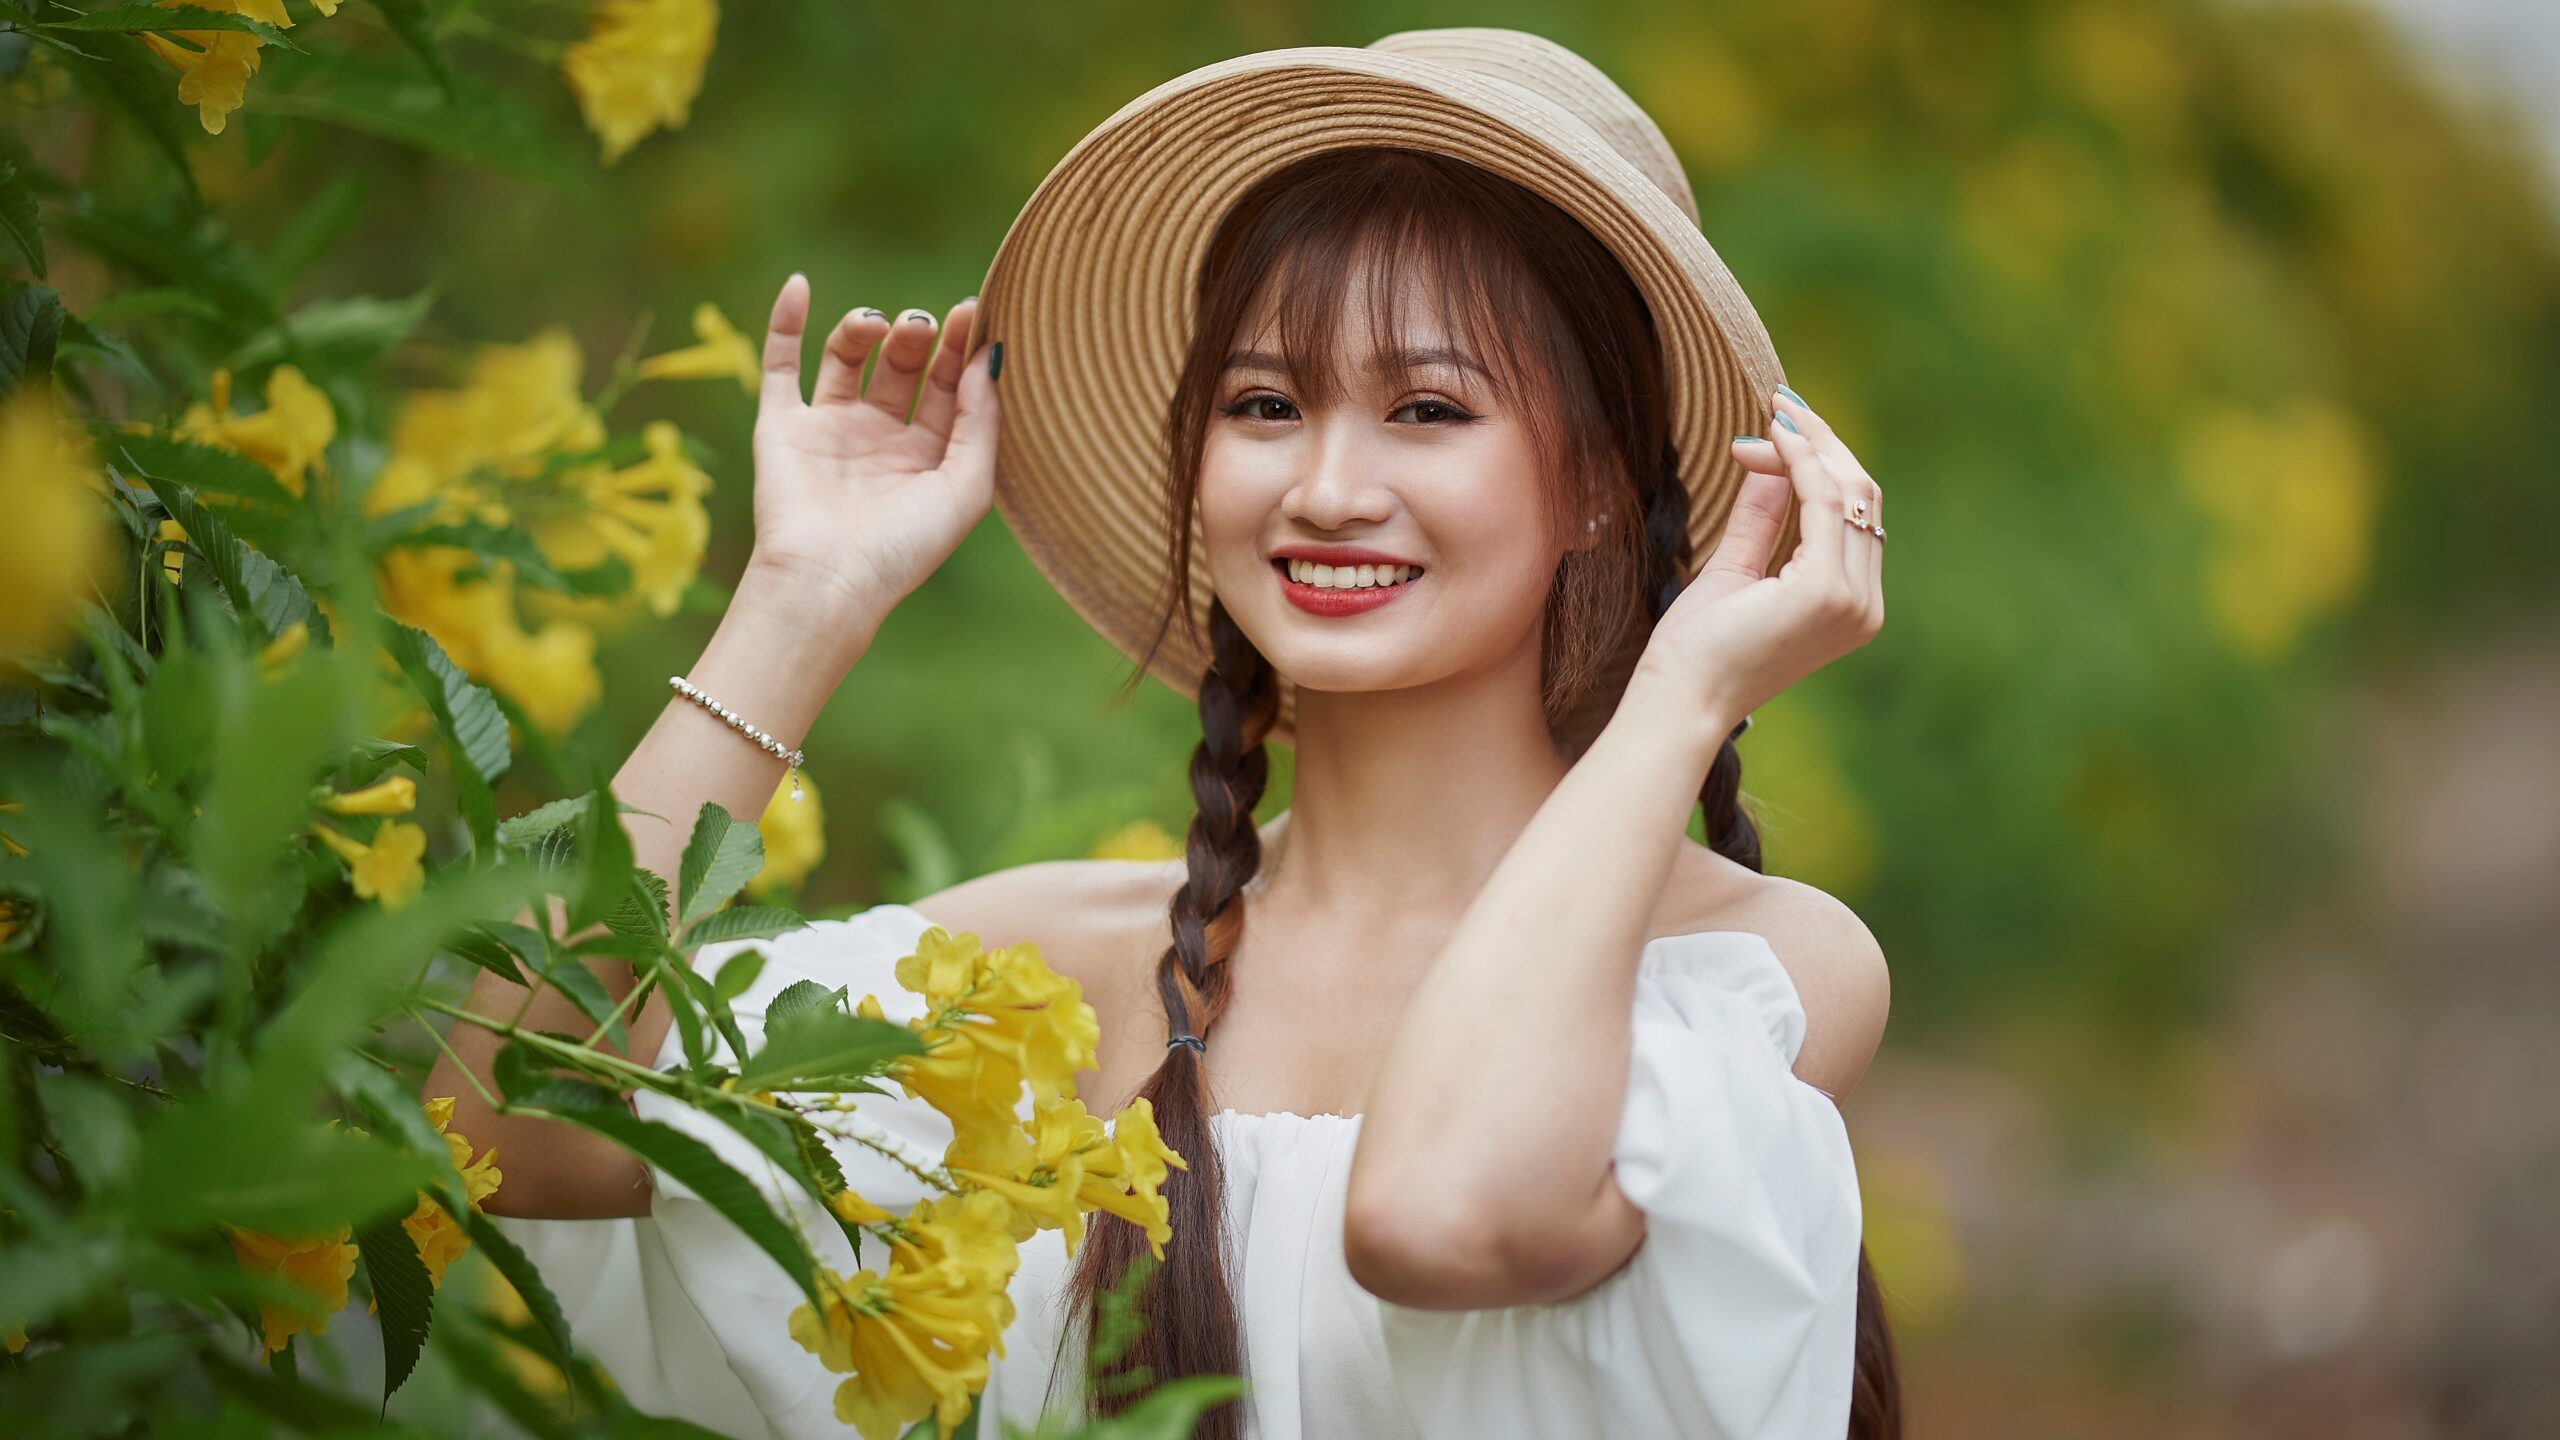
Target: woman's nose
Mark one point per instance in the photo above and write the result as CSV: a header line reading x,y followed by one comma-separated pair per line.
x,y
1339,486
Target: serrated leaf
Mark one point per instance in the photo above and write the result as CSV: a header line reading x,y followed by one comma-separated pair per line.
x,y
18,216
813,1049
571,977
513,1263
643,913
403,1297
743,922
805,996
256,585
719,859
542,820
472,726
197,467
690,1162
30,326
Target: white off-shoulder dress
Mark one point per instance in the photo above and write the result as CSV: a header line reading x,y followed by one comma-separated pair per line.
x,y
1735,1316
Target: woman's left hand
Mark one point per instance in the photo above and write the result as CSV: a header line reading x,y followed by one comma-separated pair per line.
x,y
1737,635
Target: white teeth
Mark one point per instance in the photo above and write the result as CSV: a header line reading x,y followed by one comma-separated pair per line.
x,y
1349,577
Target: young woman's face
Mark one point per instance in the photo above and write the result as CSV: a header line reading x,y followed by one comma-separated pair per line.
x,y
1418,462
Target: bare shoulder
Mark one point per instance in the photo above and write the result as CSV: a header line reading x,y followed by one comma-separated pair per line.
x,y
1088,917
1832,957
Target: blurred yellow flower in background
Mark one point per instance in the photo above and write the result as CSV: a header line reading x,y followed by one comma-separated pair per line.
x,y
214,75
317,1266
56,547
390,868
440,1237
719,350
650,514
1138,840
916,1339
795,837
288,437
2291,494
639,67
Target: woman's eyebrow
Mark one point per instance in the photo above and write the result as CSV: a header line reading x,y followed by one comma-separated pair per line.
x,y
1395,362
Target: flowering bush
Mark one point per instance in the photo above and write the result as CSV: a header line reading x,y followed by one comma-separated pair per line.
x,y
273,633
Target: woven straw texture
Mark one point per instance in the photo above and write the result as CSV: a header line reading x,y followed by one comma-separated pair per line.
x,y
1090,290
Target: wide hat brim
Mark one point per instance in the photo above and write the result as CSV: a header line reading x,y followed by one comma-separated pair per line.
x,y
1091,292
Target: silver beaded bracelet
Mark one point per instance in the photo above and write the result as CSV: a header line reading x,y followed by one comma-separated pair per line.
x,y
737,722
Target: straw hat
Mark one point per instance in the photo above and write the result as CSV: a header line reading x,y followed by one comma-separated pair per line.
x,y
1091,291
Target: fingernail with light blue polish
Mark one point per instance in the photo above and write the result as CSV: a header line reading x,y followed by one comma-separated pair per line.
x,y
1749,440
1790,424
1790,394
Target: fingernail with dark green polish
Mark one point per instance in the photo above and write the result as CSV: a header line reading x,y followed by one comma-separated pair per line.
x,y
1790,394
995,360
1790,424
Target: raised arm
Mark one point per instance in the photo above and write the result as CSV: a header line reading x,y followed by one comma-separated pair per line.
x,y
855,504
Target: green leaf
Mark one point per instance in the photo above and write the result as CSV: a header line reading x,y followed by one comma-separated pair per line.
x,y
804,996
521,1272
197,467
643,914
743,922
811,1050
737,975
18,217
256,585
571,977
403,1297
416,28
719,860
485,949
38,1281
473,729
243,1159
689,1161
604,858
30,326
494,543
131,19
342,333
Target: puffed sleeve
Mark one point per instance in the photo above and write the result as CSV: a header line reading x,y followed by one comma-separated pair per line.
x,y
688,1316
1736,1316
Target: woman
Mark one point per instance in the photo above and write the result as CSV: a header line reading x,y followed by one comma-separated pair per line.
x,y
1526,1117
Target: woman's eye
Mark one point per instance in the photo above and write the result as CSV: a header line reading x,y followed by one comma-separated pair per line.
x,y
1446,411
1250,407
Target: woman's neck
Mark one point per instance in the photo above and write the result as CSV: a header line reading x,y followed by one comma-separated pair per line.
x,y
1403,801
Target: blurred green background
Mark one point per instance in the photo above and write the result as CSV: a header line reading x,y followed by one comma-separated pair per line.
x,y
2202,787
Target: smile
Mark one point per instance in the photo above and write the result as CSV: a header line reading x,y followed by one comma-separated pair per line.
x,y
1342,589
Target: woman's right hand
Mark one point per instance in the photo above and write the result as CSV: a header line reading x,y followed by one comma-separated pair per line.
x,y
852,498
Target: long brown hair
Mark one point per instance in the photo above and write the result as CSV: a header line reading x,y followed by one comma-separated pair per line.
x,y
1572,346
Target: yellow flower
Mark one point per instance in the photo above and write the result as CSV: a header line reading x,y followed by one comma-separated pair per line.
x,y
640,67
720,350
388,869
439,1237
15,1340
916,1340
650,513
2292,495
517,405
550,673
395,795
319,1267
852,1209
1003,1005
215,76
1138,840
55,546
795,837
287,437
1064,1164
